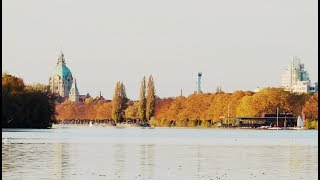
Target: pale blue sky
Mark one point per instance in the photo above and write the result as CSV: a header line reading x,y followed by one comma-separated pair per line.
x,y
239,45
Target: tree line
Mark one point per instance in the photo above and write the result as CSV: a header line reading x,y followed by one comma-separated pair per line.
x,y
26,106
142,110
195,110
207,108
34,106
117,110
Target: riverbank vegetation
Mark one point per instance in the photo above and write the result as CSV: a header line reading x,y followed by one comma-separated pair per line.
x,y
311,124
310,110
26,106
33,106
207,108
198,110
119,109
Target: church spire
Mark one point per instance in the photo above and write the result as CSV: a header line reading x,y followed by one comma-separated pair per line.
x,y
61,59
74,93
74,86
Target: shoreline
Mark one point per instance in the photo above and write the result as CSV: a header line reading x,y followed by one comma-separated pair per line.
x,y
119,125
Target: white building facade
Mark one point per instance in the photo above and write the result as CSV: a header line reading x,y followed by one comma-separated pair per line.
x,y
305,87
296,79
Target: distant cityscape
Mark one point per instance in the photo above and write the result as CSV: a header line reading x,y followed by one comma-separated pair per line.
x,y
294,79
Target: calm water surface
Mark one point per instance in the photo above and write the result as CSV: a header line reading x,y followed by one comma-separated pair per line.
x,y
78,152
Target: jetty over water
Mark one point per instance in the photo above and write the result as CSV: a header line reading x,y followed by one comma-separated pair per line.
x,y
282,120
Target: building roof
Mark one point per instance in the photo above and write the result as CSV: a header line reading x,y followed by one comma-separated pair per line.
x,y
61,70
100,98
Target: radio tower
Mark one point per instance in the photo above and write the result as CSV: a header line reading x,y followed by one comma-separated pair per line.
x,y
199,82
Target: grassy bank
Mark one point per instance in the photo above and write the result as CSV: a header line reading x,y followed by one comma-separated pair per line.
x,y
311,124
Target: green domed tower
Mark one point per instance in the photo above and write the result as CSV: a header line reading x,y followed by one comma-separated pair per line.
x,y
61,79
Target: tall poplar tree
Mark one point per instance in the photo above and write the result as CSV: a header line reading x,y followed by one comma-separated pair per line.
x,y
143,101
151,98
116,104
119,102
123,99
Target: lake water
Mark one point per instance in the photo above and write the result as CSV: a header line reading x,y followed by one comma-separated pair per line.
x,y
82,152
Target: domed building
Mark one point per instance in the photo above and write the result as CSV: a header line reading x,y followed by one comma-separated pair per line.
x,y
63,83
61,79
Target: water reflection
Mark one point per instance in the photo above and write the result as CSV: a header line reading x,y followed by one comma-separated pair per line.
x,y
21,161
125,160
301,160
118,162
146,164
58,161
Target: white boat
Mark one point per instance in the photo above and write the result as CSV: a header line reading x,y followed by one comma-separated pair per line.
x,y
264,127
275,128
90,123
299,124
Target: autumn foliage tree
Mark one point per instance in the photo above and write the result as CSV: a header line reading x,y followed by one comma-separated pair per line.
x,y
197,109
269,99
90,110
132,111
151,98
162,107
310,108
22,107
204,109
142,101
119,102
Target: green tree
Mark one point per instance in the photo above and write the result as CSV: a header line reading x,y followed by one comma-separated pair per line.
x,y
132,112
25,108
117,104
123,98
151,99
143,101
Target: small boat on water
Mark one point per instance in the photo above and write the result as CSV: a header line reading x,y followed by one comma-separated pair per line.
x,y
275,128
263,127
299,124
90,124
